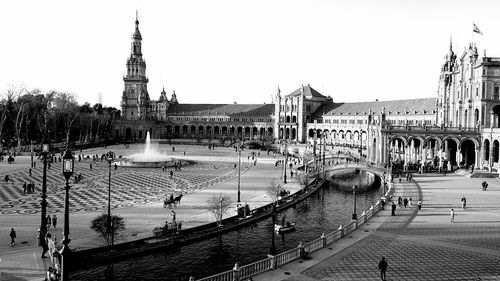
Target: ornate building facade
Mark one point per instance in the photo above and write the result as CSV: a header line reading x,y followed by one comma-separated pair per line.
x,y
459,126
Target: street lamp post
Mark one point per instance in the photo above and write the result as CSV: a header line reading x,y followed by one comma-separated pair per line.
x,y
286,160
354,215
110,156
43,218
67,169
239,170
273,215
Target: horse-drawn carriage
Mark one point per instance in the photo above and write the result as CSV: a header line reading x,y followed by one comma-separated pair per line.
x,y
172,200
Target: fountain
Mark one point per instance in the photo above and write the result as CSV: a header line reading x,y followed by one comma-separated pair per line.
x,y
150,158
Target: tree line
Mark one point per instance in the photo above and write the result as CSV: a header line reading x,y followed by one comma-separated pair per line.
x,y
32,116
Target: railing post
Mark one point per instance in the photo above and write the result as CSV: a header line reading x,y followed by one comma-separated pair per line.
x,y
191,278
341,228
364,216
236,272
273,262
302,252
323,237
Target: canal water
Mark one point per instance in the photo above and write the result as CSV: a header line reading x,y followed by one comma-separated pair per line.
x,y
322,212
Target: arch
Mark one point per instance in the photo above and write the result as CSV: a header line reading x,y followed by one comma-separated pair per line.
x,y
224,130
476,116
239,131
200,130
128,133
262,131
294,119
177,130
294,133
216,130
281,133
311,133
475,141
192,129
495,112
255,130
288,119
420,139
468,150
486,148
208,130
348,135
169,129
270,131
429,138
402,138
355,135
184,129
457,142
494,156
287,133
327,134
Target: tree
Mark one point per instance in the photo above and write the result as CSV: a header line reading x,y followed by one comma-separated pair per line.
x,y
99,223
274,190
44,113
218,206
67,110
303,179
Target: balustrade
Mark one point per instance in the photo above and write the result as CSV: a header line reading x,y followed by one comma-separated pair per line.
x,y
314,245
255,268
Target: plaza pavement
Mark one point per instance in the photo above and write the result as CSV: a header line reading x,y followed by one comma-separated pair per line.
x,y
23,262
418,245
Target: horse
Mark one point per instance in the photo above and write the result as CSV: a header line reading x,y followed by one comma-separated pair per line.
x,y
177,200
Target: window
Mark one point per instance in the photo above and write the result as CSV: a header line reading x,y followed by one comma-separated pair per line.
x,y
477,92
335,121
352,121
360,122
496,93
343,121
483,90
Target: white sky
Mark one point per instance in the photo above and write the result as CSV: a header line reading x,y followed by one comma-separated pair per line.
x,y
225,51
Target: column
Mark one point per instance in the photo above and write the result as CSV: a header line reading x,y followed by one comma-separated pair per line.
x,y
440,159
459,157
477,165
490,160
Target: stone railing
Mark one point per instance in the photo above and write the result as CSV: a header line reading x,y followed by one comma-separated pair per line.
x,y
301,251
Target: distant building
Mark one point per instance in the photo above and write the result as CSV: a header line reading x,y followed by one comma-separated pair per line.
x,y
459,126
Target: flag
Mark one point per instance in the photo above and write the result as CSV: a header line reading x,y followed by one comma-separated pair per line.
x,y
475,29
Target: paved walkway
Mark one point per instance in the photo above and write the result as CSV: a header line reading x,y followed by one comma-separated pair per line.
x,y
418,245
137,196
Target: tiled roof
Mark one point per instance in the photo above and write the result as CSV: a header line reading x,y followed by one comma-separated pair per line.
x,y
221,109
415,106
307,91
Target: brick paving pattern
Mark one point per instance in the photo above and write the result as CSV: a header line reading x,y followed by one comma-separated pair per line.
x,y
129,189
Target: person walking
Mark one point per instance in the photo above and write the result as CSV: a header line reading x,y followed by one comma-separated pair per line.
x,y
54,221
393,209
464,202
405,202
419,204
452,215
173,216
49,222
12,236
171,173
382,265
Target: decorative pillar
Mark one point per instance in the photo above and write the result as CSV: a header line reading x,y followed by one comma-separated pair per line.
x,y
459,157
477,165
490,159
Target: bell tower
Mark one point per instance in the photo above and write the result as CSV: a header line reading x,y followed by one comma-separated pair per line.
x,y
135,98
